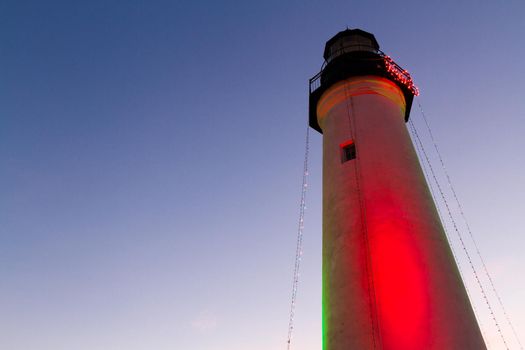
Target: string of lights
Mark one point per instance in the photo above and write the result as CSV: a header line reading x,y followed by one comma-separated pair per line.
x,y
462,214
460,237
299,245
399,74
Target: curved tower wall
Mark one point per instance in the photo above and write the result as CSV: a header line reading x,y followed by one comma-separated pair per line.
x,y
389,278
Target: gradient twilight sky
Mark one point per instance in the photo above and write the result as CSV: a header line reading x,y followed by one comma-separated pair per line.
x,y
151,158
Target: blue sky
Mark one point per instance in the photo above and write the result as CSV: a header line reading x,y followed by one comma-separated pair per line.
x,y
151,159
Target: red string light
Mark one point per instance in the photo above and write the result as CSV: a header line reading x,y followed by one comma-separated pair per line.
x,y
400,75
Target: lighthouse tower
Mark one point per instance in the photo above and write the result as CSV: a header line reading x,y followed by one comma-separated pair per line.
x,y
389,278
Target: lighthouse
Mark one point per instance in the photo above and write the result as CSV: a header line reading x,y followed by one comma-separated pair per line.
x,y
390,281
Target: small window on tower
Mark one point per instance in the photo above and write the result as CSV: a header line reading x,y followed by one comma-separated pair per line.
x,y
347,151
